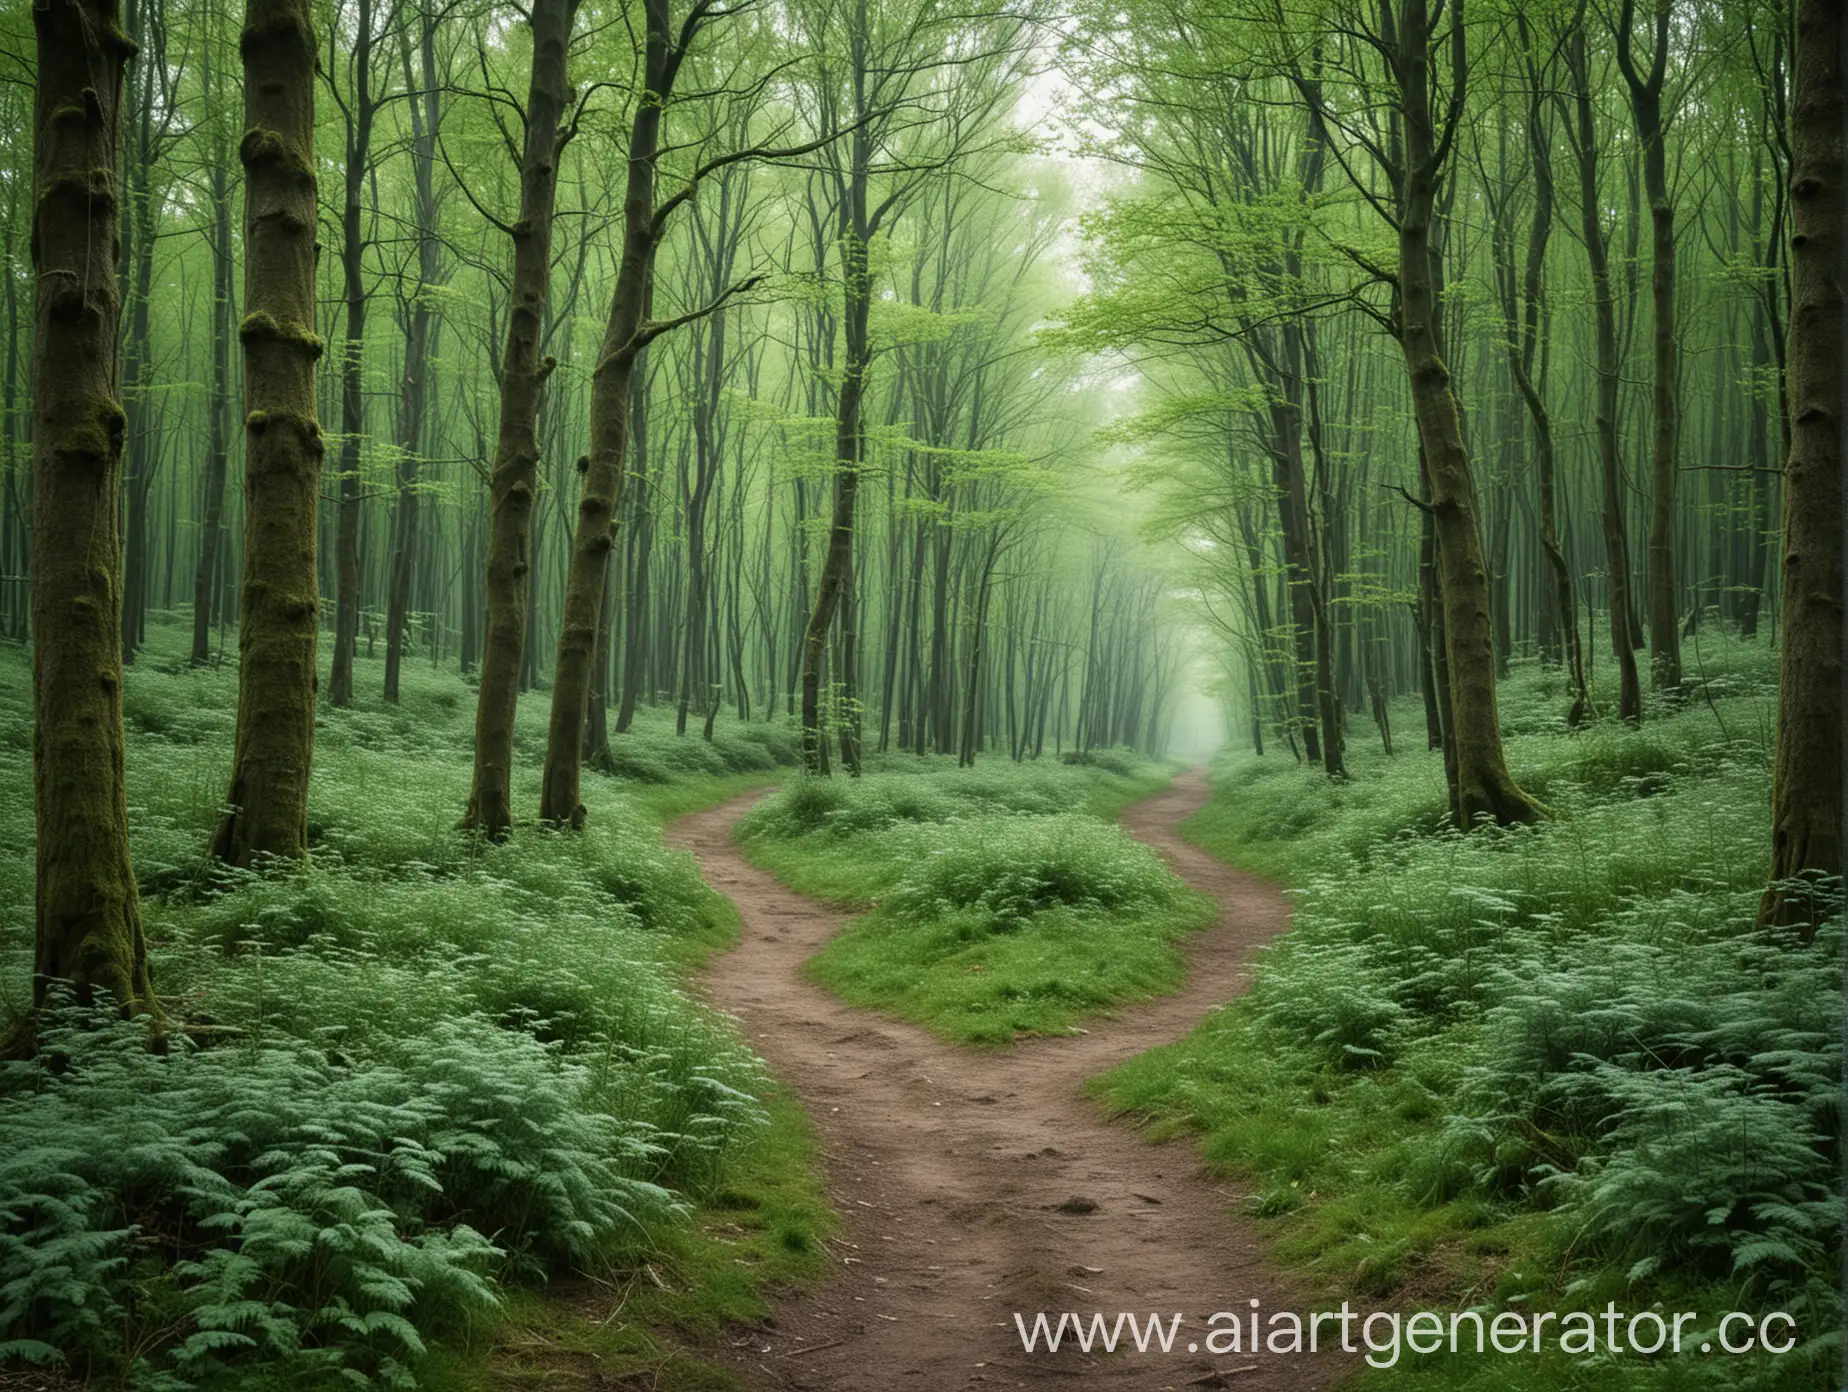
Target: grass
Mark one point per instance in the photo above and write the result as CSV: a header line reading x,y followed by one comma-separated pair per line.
x,y
478,1056
995,910
1544,1068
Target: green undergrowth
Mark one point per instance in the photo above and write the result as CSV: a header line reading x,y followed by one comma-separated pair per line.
x,y
1002,899
761,1231
411,1088
1545,1068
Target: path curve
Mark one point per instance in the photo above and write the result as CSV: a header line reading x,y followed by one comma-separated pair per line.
x,y
950,1164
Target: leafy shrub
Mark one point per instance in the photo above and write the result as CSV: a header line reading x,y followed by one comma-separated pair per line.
x,y
312,1209
1346,1007
1694,1082
1014,868
802,806
908,790
1005,904
1125,762
1708,1162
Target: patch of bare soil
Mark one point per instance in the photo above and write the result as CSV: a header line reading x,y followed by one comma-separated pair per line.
x,y
978,1184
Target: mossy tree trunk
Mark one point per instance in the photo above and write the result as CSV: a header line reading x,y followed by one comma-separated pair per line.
x,y
1806,790
283,445
1484,786
516,446
88,914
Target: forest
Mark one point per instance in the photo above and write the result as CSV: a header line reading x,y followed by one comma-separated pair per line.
x,y
711,694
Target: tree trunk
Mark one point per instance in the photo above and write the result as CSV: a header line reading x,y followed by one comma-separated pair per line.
x,y
1646,107
635,626
283,446
1293,515
88,914
933,715
1426,619
347,572
414,393
516,447
1616,544
610,386
137,279
466,651
1525,329
1484,785
837,564
15,526
136,371
1276,680
972,690
710,366
1757,483
217,461
1806,788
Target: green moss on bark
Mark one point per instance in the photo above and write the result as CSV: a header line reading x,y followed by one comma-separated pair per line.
x,y
88,929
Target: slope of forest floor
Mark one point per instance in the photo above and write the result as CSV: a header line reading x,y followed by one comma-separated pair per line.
x,y
439,1094
976,1183
1546,1068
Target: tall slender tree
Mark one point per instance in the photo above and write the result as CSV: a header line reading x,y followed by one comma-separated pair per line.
x,y
218,448
524,370
857,225
359,109
625,335
1645,84
1609,373
628,330
424,94
1523,311
869,78
283,445
151,111
1484,786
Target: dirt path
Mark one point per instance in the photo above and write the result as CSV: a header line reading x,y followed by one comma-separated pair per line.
x,y
955,1167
